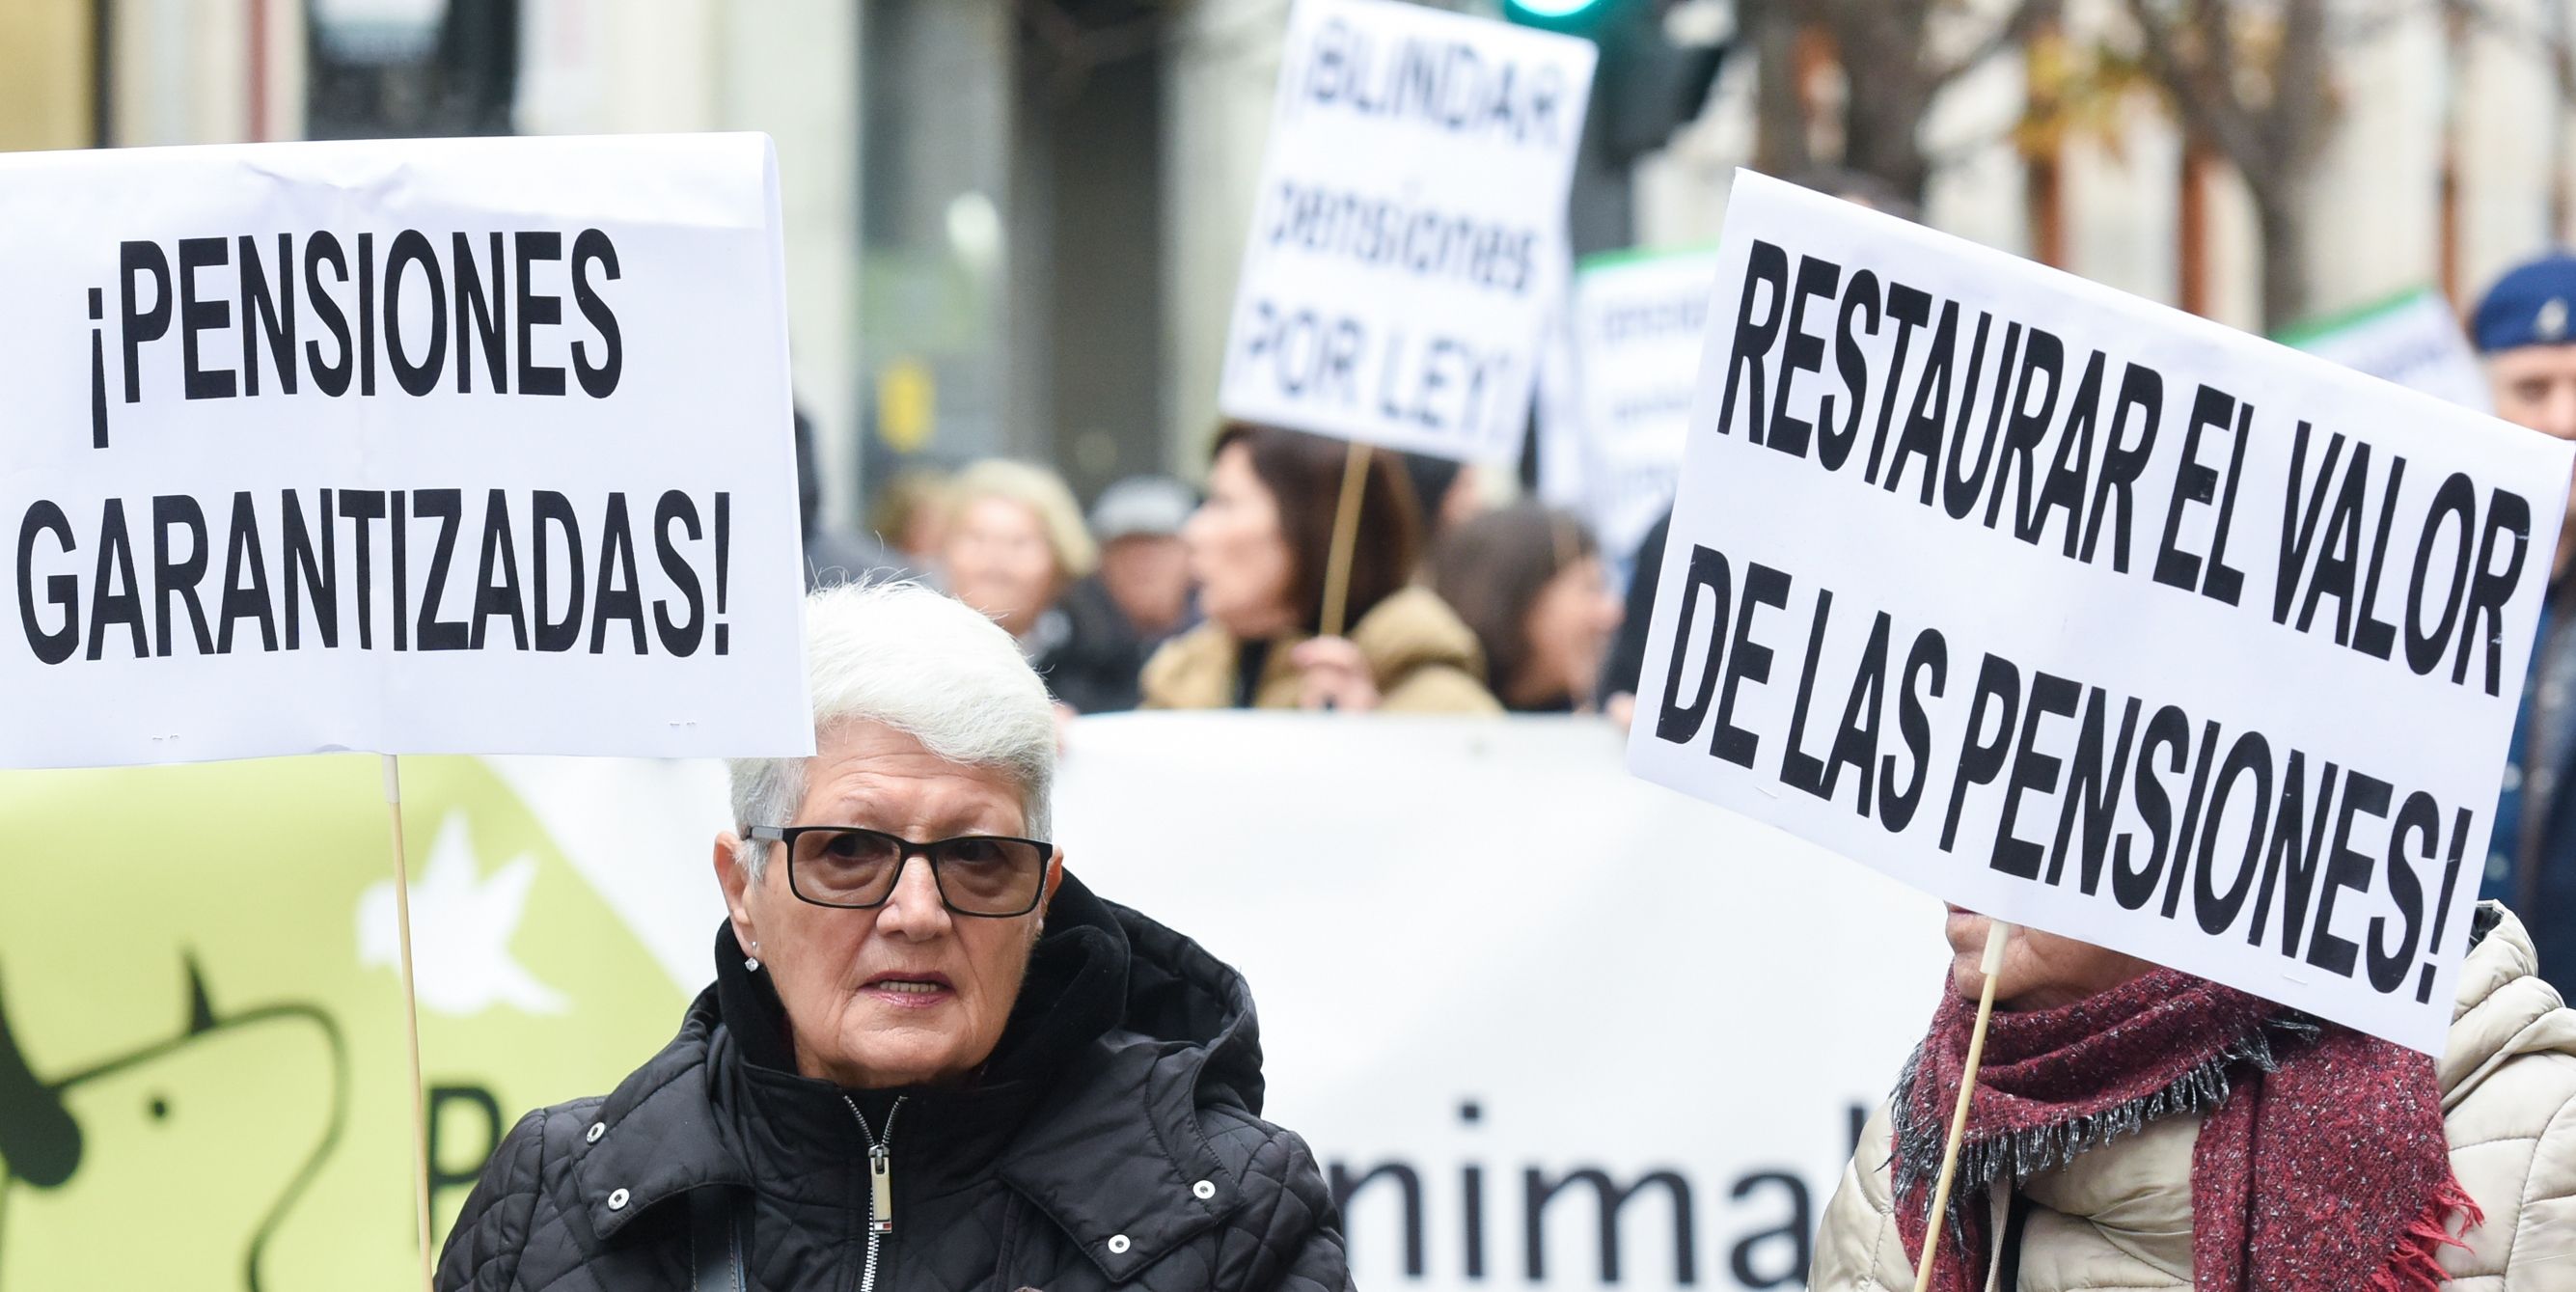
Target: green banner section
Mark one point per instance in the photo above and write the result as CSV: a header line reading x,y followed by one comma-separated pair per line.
x,y
202,1074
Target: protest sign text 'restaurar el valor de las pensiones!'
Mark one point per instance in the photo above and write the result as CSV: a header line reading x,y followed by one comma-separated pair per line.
x,y
2020,586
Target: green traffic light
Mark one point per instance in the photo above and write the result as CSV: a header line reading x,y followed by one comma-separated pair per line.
x,y
1551,8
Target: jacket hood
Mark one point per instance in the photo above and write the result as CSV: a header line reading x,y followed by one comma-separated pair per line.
x,y
1195,1006
2501,1007
1111,977
1118,1146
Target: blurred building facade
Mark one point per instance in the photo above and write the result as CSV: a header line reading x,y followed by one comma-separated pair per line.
x,y
2447,159
1012,225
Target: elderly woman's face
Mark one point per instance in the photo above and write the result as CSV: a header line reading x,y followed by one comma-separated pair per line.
x,y
908,992
999,562
1238,551
2040,971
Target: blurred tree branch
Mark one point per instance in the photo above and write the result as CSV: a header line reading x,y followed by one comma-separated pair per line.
x,y
2249,80
1894,66
2252,83
2552,40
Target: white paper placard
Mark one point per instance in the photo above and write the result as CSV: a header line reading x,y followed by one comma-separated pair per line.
x,y
1638,322
419,447
2095,616
2414,340
1409,232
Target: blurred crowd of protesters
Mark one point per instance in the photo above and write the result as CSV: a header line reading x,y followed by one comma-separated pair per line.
x,y
1161,599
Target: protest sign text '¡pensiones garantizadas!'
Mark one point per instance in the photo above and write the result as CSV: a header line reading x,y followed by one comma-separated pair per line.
x,y
417,446
352,297
343,567
440,569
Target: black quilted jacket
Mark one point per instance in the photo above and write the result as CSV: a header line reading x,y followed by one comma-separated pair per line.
x,y
1113,1141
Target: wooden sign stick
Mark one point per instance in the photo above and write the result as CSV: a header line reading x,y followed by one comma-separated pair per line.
x,y
1998,935
1346,531
411,1027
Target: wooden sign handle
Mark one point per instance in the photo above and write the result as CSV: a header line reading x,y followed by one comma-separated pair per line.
x,y
1998,935
411,1027
1346,531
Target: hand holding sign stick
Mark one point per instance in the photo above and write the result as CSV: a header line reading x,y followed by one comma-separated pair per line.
x,y
1998,936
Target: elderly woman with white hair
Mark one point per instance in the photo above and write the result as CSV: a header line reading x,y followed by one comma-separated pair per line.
x,y
1017,550
931,1059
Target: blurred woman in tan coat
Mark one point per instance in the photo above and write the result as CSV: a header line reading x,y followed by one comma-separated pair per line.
x,y
1258,548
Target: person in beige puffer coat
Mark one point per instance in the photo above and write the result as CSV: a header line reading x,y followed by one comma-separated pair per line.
x,y
1417,657
2117,1217
1260,548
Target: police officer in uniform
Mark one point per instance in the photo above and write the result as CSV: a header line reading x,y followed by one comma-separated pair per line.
x,y
2526,332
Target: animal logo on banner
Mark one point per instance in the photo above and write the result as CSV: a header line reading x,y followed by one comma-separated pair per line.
x,y
181,1026
163,1120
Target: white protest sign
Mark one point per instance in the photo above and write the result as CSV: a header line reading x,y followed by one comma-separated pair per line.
x,y
1543,1024
416,447
2094,616
1638,320
1408,235
2413,339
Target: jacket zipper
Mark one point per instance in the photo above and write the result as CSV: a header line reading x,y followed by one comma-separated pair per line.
x,y
880,1186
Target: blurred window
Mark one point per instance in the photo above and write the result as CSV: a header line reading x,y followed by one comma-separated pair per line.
x,y
395,68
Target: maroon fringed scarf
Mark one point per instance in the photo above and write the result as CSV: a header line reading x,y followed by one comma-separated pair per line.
x,y
2321,1167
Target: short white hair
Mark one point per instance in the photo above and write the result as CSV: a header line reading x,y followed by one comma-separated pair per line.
x,y
925,664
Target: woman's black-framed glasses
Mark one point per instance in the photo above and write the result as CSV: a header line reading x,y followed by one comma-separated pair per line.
x,y
989,876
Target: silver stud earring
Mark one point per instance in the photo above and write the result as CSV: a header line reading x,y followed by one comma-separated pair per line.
x,y
752,962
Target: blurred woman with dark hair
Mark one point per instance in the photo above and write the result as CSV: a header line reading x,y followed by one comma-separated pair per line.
x,y
1530,581
1258,548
